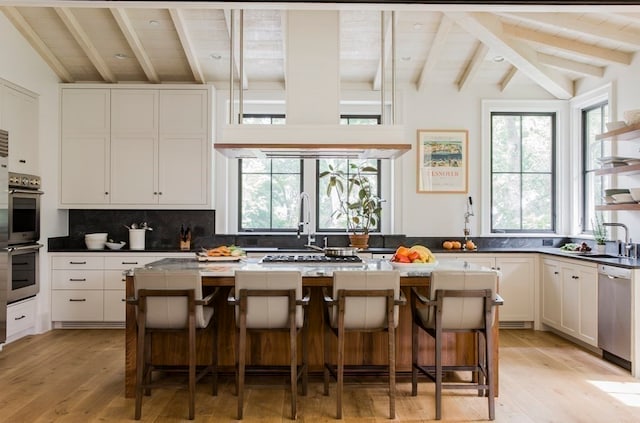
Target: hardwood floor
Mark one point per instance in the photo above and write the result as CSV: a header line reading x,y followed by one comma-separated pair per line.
x,y
77,376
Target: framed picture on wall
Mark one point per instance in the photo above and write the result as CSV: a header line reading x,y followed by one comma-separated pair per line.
x,y
443,161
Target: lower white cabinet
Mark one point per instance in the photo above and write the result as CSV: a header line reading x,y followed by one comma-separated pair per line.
x,y
570,298
21,318
90,287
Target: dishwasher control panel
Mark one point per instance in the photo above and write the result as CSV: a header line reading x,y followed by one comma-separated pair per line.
x,y
613,271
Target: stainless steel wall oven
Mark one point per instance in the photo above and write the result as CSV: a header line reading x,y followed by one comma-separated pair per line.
x,y
24,274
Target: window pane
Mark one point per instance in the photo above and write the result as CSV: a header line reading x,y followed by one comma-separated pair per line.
x,y
536,202
505,144
286,190
506,201
593,120
536,143
256,191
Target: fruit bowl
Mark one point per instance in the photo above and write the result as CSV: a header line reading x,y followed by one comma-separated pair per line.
x,y
413,266
115,245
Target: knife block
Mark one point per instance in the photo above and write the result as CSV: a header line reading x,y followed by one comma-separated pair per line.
x,y
185,245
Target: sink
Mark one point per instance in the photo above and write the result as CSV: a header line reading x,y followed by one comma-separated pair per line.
x,y
598,255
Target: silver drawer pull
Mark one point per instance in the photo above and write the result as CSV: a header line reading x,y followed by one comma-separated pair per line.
x,y
123,300
77,262
20,318
77,299
129,262
77,280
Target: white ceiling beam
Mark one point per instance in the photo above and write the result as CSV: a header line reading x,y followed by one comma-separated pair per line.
x,y
377,80
236,57
435,51
283,26
628,36
567,44
571,65
488,29
36,42
472,68
85,43
507,78
187,45
129,32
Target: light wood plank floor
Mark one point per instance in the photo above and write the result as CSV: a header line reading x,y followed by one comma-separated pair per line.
x,y
77,376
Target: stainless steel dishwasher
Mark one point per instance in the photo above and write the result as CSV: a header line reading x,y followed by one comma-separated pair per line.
x,y
614,314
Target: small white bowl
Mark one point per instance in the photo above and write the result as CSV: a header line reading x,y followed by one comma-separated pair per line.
x,y
622,198
97,236
612,126
632,116
115,245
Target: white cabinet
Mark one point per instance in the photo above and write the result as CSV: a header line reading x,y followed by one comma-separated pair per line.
x,y
19,116
21,319
570,298
154,150
516,285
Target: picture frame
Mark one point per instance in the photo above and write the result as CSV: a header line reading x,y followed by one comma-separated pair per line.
x,y
443,162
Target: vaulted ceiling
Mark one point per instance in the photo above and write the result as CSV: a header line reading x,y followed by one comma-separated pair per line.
x,y
188,42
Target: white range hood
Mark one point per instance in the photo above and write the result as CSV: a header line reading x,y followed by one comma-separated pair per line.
x,y
313,127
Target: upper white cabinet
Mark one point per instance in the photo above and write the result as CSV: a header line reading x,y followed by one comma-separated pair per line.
x,y
19,116
156,149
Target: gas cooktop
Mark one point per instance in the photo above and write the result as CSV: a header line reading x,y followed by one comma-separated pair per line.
x,y
309,259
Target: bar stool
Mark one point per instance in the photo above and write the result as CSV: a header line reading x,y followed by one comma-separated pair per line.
x,y
270,301
459,301
171,301
362,302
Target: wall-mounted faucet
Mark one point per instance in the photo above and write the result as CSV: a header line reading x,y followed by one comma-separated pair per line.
x,y
625,251
306,218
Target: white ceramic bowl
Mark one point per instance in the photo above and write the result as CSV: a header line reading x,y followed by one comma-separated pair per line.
x,y
115,245
612,126
622,198
97,236
635,194
94,244
632,116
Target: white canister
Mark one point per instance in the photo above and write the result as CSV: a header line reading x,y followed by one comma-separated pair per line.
x,y
136,239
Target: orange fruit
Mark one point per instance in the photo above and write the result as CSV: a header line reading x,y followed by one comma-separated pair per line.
x,y
447,245
402,251
469,245
457,245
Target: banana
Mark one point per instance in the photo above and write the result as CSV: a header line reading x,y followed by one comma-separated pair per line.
x,y
426,256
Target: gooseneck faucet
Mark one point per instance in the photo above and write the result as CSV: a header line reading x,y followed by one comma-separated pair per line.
x,y
625,251
467,215
306,218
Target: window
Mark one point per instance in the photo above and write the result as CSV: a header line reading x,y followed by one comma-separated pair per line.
x,y
593,121
522,172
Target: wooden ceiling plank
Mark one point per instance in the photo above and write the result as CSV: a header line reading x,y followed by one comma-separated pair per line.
x,y
567,44
629,36
189,51
36,42
571,65
508,77
474,66
283,25
377,80
129,32
236,57
488,29
435,52
85,43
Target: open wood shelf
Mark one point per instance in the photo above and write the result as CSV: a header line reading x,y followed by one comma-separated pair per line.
x,y
630,169
627,133
634,206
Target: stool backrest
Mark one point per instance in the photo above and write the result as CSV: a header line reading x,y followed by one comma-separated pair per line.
x,y
461,312
169,312
269,312
364,313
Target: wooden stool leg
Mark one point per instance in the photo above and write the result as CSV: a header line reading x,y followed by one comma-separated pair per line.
x,y
489,365
392,358
326,355
214,357
192,367
340,383
438,373
293,354
305,356
242,344
140,370
415,348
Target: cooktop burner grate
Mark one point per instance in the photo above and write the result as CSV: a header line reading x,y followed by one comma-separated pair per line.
x,y
310,259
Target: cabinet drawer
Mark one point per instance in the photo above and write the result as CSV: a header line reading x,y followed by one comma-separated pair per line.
x,y
21,316
127,262
76,305
114,279
71,262
114,305
77,279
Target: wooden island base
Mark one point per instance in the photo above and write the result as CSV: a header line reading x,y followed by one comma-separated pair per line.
x,y
271,349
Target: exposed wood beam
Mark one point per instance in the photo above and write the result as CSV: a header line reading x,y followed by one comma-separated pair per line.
x,y
571,65
236,57
36,42
508,77
377,80
187,45
488,29
567,44
629,36
85,43
123,21
473,66
437,46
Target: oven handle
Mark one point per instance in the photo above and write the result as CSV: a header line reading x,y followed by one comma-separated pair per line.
x,y
25,191
25,247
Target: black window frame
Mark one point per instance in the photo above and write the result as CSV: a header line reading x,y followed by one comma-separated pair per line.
x,y
603,106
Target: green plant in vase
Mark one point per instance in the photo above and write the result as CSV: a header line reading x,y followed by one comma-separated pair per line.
x,y
599,231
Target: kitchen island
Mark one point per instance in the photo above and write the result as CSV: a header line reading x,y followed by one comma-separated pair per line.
x,y
271,349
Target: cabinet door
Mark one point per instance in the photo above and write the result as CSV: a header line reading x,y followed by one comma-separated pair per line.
x,y
84,150
517,284
134,146
588,329
570,300
20,118
114,305
184,151
551,293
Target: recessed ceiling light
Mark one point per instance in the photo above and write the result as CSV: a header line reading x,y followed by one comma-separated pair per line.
x,y
154,22
120,56
215,56
498,59
417,26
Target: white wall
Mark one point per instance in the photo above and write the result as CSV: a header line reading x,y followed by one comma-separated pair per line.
x,y
22,66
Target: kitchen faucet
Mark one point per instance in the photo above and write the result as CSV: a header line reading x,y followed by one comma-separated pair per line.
x,y
467,215
626,250
306,218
